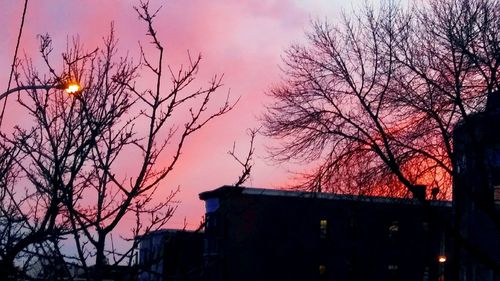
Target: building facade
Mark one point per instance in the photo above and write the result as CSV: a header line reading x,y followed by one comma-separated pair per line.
x,y
261,234
476,193
171,255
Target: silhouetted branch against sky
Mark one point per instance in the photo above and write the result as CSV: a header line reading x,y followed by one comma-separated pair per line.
x,y
247,162
373,100
14,60
70,158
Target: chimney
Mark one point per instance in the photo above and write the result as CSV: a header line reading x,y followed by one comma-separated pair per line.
x,y
419,192
434,193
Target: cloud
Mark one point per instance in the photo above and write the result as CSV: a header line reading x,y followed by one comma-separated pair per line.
x,y
242,39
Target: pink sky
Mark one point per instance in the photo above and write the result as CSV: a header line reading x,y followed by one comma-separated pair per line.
x,y
244,40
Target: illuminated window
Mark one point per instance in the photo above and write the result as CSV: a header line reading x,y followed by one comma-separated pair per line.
x,y
495,181
323,227
393,228
322,269
496,194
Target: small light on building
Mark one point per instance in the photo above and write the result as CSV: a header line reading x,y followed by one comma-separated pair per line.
x,y
392,267
322,269
393,229
442,259
323,228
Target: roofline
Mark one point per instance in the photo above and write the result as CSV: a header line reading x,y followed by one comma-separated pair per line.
x,y
227,189
167,230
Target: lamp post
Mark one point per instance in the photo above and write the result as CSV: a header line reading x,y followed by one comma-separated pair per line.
x,y
72,88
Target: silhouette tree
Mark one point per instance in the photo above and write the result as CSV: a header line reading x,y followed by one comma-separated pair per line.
x,y
92,159
371,102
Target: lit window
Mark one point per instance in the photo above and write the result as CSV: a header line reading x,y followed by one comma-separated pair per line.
x,y
322,269
323,226
394,227
496,194
392,267
495,179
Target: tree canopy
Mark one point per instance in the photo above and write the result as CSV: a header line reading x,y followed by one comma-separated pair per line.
x,y
371,101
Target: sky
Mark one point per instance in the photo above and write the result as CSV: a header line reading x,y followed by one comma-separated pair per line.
x,y
244,40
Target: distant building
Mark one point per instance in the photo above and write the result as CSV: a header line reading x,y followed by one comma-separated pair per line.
x,y
476,191
109,273
171,255
261,234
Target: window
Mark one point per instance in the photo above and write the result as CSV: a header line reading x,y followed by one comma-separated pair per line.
x,y
496,194
495,182
322,269
392,267
323,227
393,229
211,205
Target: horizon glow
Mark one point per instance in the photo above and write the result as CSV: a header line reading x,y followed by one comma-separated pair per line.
x,y
242,40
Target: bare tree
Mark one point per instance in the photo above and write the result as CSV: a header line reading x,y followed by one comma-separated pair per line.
x,y
336,106
71,159
388,86
373,101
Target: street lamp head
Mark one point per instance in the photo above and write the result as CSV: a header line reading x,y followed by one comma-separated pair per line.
x,y
442,259
72,88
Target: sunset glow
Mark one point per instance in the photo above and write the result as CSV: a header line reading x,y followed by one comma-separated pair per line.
x,y
243,41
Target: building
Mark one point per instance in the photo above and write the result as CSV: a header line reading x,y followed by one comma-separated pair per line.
x,y
262,234
476,192
109,273
171,255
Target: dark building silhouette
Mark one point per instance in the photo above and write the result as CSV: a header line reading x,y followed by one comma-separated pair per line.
x,y
171,255
261,234
109,273
476,191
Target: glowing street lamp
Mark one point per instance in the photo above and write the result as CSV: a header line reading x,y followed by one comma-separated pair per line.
x,y
442,259
72,88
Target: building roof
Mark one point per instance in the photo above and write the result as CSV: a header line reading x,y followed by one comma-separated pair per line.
x,y
232,190
168,231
